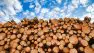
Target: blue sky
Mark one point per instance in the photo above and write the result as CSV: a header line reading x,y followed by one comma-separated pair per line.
x,y
45,9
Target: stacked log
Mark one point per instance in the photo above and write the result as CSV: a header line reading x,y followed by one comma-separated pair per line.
x,y
68,35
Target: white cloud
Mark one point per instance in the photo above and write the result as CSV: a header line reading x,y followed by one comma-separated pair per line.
x,y
44,10
43,2
17,6
57,12
1,13
38,7
54,13
32,14
59,1
57,9
31,6
46,13
71,8
29,14
90,8
68,9
28,0
83,2
10,8
75,3
43,13
26,12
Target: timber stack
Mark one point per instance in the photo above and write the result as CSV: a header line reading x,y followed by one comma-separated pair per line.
x,y
68,35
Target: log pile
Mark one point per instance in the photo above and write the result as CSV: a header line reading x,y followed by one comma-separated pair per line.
x,y
66,35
